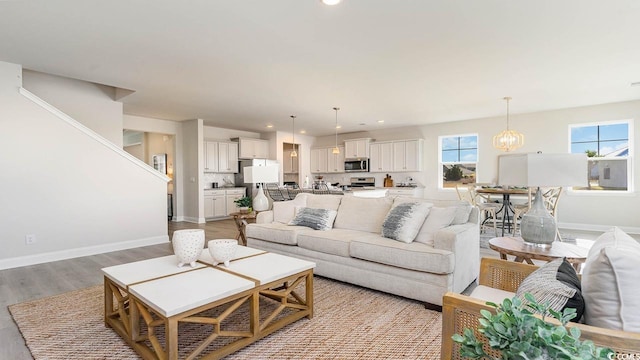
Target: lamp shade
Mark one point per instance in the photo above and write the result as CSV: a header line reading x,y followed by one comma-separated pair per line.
x,y
261,174
542,170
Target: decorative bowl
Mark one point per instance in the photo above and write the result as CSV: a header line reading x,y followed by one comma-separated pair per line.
x,y
188,245
222,250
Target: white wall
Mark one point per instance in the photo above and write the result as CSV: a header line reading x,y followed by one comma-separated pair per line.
x,y
83,101
193,169
77,195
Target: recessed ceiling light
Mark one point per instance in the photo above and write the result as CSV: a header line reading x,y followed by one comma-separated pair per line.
x,y
338,126
303,131
380,121
269,126
331,2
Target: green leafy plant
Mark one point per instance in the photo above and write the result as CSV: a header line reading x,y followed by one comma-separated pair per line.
x,y
243,201
521,335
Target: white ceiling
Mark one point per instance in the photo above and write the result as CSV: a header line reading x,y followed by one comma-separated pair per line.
x,y
243,64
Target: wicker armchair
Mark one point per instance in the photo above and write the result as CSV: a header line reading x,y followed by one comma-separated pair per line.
x,y
461,311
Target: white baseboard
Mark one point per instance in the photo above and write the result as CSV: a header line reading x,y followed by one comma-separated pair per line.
x,y
78,252
597,228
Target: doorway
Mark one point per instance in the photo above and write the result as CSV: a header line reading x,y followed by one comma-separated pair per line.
x,y
290,164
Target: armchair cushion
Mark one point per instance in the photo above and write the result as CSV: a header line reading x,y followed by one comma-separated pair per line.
x,y
609,282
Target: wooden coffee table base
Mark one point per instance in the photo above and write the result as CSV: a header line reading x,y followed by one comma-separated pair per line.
x,y
141,327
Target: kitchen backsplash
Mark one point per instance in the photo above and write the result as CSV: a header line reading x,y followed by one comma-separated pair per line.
x,y
345,179
210,178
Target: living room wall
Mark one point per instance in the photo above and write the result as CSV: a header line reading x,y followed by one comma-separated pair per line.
x,y
77,195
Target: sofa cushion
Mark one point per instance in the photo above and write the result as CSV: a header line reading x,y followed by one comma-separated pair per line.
x,y
331,202
437,219
317,219
487,293
609,282
404,220
557,284
275,232
284,211
364,214
463,209
334,241
413,256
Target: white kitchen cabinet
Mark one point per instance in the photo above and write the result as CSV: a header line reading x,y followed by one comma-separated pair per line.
x,y
232,195
356,148
227,157
381,157
408,191
289,164
407,155
253,148
319,160
335,162
214,203
211,159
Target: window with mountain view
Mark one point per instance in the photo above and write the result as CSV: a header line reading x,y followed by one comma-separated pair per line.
x,y
458,158
607,144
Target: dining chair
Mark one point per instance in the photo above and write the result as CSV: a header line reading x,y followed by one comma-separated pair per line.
x,y
551,197
273,190
521,209
488,209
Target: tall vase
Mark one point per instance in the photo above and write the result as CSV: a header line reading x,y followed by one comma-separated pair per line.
x,y
260,201
538,227
188,245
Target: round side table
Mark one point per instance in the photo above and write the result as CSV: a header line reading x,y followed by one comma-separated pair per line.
x,y
522,251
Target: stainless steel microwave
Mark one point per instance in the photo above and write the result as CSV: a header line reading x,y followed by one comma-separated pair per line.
x,y
356,165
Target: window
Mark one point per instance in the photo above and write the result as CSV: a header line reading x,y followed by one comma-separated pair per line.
x,y
458,158
607,145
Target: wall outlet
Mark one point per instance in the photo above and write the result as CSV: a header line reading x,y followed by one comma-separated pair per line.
x,y
30,239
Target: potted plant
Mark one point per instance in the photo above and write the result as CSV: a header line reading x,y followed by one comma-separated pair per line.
x,y
244,203
521,335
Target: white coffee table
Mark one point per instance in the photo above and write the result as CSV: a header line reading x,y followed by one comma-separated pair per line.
x,y
145,296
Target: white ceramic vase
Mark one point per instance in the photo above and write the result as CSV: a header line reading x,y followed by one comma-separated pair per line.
x,y
222,250
188,245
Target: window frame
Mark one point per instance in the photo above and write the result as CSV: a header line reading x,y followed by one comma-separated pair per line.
x,y
441,162
629,158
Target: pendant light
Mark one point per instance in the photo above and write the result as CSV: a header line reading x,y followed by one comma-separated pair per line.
x,y
335,149
294,153
508,140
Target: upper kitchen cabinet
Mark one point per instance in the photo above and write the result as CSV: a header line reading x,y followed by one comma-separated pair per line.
x,y
228,157
356,148
211,160
253,148
381,157
335,162
220,157
407,155
319,160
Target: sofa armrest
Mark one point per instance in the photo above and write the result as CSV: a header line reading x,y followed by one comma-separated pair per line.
x,y
264,217
464,242
461,311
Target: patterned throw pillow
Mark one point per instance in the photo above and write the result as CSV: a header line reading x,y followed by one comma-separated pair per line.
x,y
317,219
556,283
405,220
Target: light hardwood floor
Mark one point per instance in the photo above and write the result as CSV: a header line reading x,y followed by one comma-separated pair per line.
x,y
38,281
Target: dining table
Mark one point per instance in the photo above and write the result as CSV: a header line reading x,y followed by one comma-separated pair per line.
x,y
506,209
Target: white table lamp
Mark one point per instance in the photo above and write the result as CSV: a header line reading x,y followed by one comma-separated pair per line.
x,y
260,175
541,170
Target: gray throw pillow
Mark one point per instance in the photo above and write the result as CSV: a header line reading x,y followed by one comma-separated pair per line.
x,y
405,220
317,219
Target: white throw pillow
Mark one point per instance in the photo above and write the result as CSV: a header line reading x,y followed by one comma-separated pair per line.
x,y
404,221
610,286
363,214
463,209
437,219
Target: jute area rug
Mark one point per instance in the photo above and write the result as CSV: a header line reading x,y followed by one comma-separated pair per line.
x,y
349,322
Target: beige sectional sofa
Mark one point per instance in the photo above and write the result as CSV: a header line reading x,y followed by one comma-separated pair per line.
x,y
443,257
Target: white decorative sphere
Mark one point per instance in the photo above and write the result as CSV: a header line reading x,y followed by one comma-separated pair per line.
x,y
188,245
222,250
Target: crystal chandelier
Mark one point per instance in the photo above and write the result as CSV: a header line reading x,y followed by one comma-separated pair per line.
x,y
335,150
508,140
294,153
